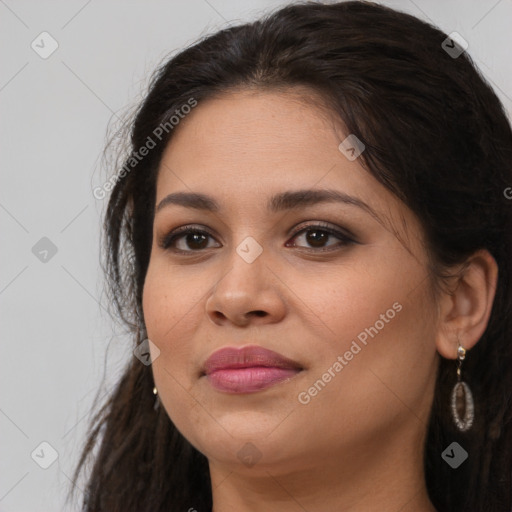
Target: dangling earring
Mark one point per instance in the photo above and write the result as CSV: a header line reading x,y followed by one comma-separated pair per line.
x,y
462,398
157,400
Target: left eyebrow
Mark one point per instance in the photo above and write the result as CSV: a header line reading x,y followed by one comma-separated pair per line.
x,y
283,201
300,198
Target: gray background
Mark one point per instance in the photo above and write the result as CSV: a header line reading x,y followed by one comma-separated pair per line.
x,y
55,332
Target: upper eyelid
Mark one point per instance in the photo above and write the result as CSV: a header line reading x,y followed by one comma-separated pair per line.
x,y
293,230
328,226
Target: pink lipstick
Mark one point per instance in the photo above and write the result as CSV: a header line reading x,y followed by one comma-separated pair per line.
x,y
248,369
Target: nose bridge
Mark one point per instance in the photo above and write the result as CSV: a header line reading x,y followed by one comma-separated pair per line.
x,y
246,264
244,287
249,250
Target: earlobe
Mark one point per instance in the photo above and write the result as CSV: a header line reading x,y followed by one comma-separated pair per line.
x,y
465,310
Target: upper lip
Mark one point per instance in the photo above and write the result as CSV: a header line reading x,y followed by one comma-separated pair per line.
x,y
247,357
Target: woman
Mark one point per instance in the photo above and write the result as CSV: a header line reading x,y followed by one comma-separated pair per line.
x,y
311,242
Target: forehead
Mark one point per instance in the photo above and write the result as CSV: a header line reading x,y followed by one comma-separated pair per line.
x,y
248,127
246,146
248,138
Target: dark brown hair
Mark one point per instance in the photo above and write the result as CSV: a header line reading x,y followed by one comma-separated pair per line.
x,y
435,134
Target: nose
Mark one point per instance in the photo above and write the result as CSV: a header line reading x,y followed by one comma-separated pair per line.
x,y
246,293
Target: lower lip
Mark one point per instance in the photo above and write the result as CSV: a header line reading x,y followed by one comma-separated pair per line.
x,y
249,380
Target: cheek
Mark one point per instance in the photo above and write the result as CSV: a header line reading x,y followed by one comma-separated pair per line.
x,y
344,300
168,300
169,314
170,317
379,317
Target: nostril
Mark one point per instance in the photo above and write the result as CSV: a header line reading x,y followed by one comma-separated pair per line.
x,y
259,313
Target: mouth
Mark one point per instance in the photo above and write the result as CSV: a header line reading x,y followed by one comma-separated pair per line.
x,y
248,369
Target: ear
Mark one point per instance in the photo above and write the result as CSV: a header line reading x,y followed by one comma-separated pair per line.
x,y
464,310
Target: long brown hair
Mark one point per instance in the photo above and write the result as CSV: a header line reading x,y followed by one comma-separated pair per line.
x,y
435,134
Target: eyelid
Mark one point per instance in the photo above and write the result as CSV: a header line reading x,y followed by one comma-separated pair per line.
x,y
335,229
169,236
342,234
345,238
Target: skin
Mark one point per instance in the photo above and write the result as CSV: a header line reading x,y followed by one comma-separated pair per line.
x,y
357,444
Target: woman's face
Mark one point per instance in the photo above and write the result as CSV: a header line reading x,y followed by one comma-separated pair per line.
x,y
353,309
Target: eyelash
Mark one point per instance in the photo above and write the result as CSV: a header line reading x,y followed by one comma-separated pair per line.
x,y
167,240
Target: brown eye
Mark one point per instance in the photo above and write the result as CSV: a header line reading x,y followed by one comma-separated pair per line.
x,y
317,237
186,239
196,240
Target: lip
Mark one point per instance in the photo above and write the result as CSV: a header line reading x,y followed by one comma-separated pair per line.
x,y
248,369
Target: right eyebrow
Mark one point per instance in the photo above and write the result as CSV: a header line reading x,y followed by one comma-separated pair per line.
x,y
189,200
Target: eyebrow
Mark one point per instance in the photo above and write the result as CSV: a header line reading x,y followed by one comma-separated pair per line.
x,y
283,201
